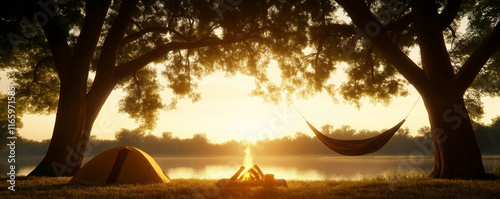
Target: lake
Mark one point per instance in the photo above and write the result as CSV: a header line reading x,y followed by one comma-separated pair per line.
x,y
291,168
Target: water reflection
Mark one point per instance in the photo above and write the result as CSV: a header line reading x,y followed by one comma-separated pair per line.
x,y
290,168
208,172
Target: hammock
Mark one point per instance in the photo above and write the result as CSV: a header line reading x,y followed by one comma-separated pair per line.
x,y
356,147
352,147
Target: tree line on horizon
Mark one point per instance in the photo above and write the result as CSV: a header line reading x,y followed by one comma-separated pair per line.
x,y
403,143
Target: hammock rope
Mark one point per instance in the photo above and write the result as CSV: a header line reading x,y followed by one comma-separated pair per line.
x,y
414,104
351,147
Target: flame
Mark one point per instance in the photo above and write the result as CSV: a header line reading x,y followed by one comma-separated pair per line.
x,y
248,163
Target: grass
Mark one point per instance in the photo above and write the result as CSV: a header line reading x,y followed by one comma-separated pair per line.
x,y
378,187
496,169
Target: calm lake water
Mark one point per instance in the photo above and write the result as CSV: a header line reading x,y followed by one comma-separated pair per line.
x,y
292,168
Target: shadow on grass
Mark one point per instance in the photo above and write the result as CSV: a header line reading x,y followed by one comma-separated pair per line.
x,y
39,183
269,192
50,183
252,192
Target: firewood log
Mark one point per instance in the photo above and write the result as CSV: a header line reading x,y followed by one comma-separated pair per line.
x,y
254,174
261,174
237,174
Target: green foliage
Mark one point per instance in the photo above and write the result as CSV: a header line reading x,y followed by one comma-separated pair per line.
x,y
482,17
307,38
488,137
129,137
38,87
143,100
425,132
4,116
29,59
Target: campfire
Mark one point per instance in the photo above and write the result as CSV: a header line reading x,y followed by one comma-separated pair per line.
x,y
251,175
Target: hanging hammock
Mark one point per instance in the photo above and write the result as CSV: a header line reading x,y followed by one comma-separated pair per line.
x,y
352,147
356,147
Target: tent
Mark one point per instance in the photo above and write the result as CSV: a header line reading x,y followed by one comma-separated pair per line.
x,y
123,164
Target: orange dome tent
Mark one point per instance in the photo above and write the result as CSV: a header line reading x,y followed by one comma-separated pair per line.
x,y
123,164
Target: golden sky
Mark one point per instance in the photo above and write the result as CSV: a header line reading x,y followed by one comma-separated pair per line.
x,y
226,111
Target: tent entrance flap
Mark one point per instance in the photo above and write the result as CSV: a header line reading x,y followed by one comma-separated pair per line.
x,y
356,147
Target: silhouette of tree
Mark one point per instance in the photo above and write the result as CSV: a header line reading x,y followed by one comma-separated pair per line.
x,y
5,116
488,137
375,41
424,132
379,58
68,56
130,137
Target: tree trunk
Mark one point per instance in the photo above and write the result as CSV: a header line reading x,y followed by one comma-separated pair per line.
x,y
74,120
456,153
65,152
94,106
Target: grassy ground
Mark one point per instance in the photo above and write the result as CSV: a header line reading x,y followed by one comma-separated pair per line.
x,y
192,188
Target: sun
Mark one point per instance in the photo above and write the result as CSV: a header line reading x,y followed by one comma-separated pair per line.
x,y
250,124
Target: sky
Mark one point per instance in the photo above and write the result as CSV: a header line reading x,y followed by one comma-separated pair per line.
x,y
226,112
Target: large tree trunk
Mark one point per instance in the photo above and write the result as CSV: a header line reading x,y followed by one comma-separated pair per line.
x,y
78,110
456,153
74,120
65,151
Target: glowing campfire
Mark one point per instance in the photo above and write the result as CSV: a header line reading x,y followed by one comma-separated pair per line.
x,y
251,175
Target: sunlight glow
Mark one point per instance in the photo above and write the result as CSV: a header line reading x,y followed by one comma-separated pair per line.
x,y
219,32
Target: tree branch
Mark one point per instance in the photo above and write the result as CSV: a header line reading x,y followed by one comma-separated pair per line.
x,y
127,69
136,24
139,90
103,81
404,21
37,66
369,61
320,48
134,36
449,13
95,13
433,51
476,61
114,38
59,47
109,52
364,19
342,28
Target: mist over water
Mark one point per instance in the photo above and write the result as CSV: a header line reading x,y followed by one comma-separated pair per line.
x,y
289,167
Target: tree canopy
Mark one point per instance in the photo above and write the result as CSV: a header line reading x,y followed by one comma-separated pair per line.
x,y
307,38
